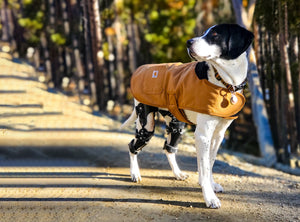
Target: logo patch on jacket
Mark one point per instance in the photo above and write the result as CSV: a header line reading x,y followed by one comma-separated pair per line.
x,y
155,74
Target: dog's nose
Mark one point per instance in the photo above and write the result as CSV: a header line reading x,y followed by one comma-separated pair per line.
x,y
189,42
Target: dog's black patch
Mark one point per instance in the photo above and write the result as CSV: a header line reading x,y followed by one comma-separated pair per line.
x,y
201,70
232,39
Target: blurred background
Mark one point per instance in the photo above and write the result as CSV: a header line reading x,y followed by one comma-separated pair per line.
x,y
87,50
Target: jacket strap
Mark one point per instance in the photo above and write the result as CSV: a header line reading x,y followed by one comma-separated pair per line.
x,y
178,113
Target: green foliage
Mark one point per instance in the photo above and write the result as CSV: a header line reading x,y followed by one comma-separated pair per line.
x,y
14,4
166,25
294,15
58,38
32,20
27,2
105,50
32,24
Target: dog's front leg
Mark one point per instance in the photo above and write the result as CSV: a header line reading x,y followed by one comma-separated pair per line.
x,y
206,126
217,139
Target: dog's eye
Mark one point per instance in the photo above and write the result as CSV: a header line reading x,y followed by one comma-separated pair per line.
x,y
214,34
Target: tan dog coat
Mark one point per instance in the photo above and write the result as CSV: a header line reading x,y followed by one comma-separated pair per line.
x,y
175,86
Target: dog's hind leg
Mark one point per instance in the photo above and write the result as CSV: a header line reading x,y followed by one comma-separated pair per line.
x,y
144,132
174,129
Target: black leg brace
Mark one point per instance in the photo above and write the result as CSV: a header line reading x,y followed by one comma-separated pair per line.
x,y
175,128
143,135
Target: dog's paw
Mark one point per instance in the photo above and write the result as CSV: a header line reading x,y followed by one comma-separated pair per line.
x,y
211,200
181,175
214,203
136,177
217,188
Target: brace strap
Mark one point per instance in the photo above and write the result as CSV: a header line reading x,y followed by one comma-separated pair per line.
x,y
142,111
136,147
169,148
144,134
175,127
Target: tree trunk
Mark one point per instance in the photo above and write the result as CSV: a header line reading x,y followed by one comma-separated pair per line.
x,y
66,49
53,50
18,32
260,116
5,22
76,60
291,119
205,17
47,61
89,65
298,111
132,43
110,77
119,60
96,39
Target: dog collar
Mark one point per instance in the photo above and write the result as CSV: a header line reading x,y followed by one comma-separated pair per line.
x,y
232,89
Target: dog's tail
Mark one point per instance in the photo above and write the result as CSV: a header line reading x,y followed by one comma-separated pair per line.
x,y
130,120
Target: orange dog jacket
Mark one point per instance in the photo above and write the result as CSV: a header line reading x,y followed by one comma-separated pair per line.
x,y
175,86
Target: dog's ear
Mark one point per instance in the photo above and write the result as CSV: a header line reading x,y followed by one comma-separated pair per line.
x,y
239,41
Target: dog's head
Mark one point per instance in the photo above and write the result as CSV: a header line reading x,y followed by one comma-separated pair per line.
x,y
226,41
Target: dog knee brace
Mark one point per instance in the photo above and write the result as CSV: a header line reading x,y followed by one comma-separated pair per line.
x,y
175,128
143,135
142,138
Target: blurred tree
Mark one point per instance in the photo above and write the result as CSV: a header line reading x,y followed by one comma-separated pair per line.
x,y
278,61
211,12
97,53
5,21
118,26
72,10
244,11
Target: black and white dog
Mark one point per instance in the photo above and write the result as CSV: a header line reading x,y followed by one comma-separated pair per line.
x,y
221,49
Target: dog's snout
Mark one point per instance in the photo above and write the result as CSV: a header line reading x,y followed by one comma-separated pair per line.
x,y
189,42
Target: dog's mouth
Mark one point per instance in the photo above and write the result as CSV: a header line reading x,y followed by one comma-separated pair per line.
x,y
191,54
194,56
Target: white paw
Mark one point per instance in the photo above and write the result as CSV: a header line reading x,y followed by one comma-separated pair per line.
x,y
181,175
213,203
136,177
217,188
210,198
134,168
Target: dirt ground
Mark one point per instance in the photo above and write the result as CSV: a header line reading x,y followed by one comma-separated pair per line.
x,y
58,162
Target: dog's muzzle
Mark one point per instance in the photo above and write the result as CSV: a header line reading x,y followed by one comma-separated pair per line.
x,y
191,54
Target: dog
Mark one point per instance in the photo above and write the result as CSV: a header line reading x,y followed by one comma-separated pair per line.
x,y
221,66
